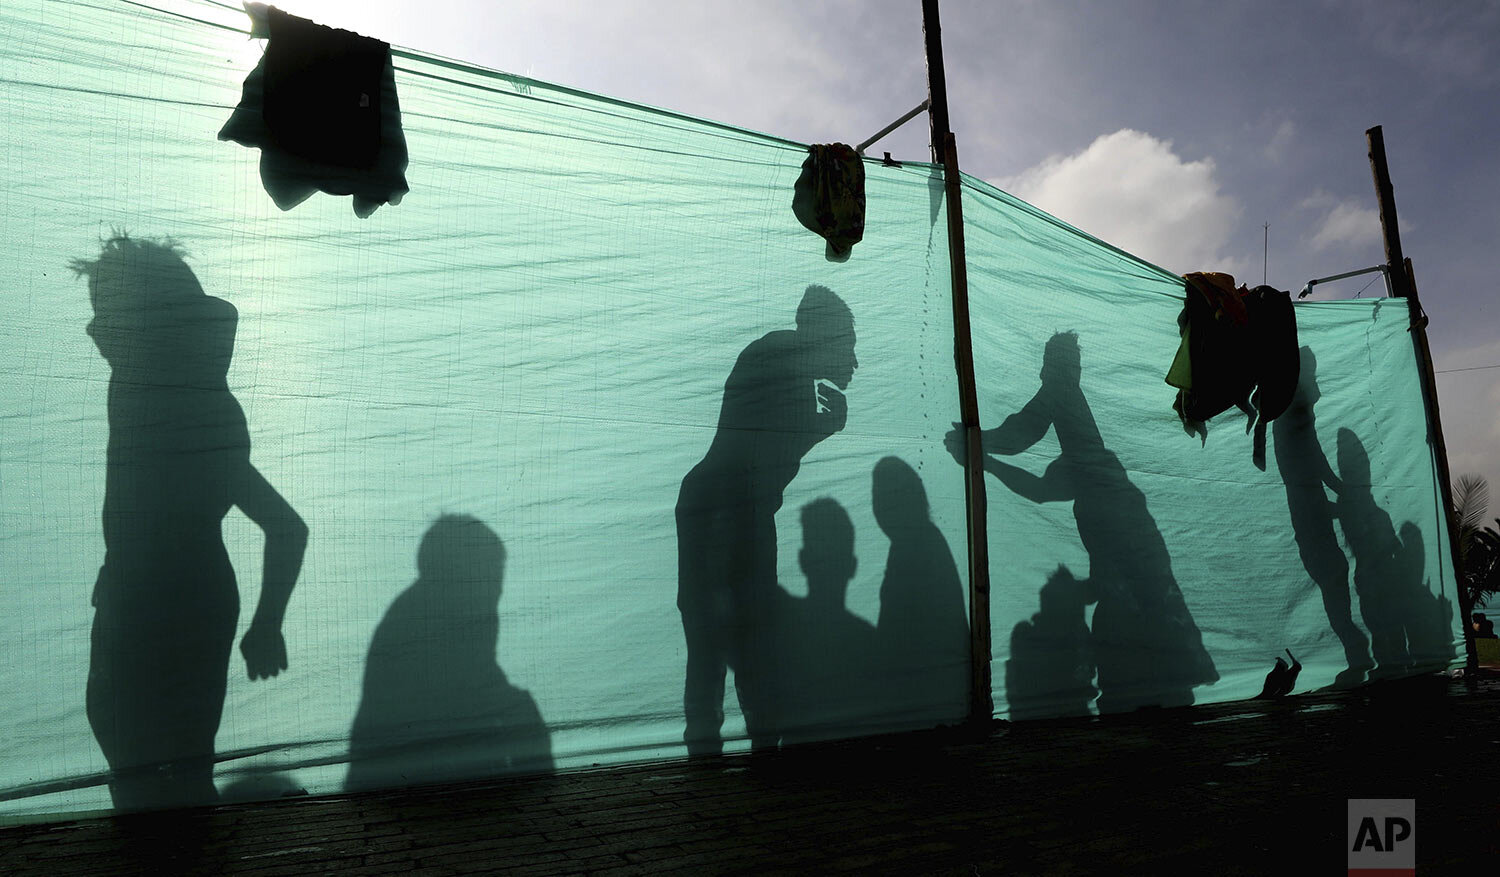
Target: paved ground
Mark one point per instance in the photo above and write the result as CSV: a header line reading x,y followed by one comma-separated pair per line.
x,y
1247,788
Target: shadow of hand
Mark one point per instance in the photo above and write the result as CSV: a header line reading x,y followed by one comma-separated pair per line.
x,y
833,405
955,443
264,650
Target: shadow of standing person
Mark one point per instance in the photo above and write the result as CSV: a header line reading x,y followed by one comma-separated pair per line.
x,y
436,707
923,627
1149,650
1371,537
827,659
1305,472
1429,617
166,602
784,395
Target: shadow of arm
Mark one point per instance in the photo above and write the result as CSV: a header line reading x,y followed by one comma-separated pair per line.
x,y
1020,430
286,542
1050,486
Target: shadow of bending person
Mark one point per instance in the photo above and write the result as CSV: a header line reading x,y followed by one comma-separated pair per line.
x,y
166,601
1147,647
825,683
1407,624
436,707
1051,668
784,395
1305,472
923,626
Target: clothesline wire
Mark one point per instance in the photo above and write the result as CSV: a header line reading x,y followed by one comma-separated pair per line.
x,y
1443,371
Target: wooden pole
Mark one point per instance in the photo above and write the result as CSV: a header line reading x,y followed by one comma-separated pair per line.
x,y
1385,195
937,81
945,152
1403,284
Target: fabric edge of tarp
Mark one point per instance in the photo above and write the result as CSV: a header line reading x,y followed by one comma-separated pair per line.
x,y
479,71
989,190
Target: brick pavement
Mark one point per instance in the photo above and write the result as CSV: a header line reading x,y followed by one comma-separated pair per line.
x,y
1243,788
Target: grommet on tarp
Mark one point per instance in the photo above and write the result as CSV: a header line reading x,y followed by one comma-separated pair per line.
x,y
829,197
322,108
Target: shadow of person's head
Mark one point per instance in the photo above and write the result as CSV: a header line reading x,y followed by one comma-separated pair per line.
x,y
1411,555
826,326
463,557
151,313
1353,460
1307,384
827,555
1063,596
1061,362
898,496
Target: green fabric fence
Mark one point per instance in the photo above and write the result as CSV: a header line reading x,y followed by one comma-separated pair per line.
x,y
589,422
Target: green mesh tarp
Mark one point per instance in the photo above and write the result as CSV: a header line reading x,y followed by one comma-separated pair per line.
x,y
586,452
1331,541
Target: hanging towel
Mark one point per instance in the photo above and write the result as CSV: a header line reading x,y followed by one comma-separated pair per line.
x,y
829,197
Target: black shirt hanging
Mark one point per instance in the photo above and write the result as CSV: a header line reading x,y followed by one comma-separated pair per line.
x,y
321,106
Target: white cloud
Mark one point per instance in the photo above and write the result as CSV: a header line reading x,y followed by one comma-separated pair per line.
x,y
1320,199
1132,190
1349,224
1280,141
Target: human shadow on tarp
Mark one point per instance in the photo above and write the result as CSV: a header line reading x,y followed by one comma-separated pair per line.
x,y
784,395
1410,628
1430,632
1305,472
1148,649
824,657
262,785
178,458
923,626
1051,667
436,707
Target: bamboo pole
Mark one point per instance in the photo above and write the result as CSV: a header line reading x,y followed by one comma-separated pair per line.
x,y
1403,284
945,152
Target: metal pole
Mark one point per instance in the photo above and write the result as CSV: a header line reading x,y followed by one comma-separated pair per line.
x,y
1403,285
945,152
1265,253
874,138
1383,269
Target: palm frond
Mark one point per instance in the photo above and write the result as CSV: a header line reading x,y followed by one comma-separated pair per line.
x,y
1471,502
1481,575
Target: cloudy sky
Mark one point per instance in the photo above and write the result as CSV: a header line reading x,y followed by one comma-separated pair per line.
x,y
1173,130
